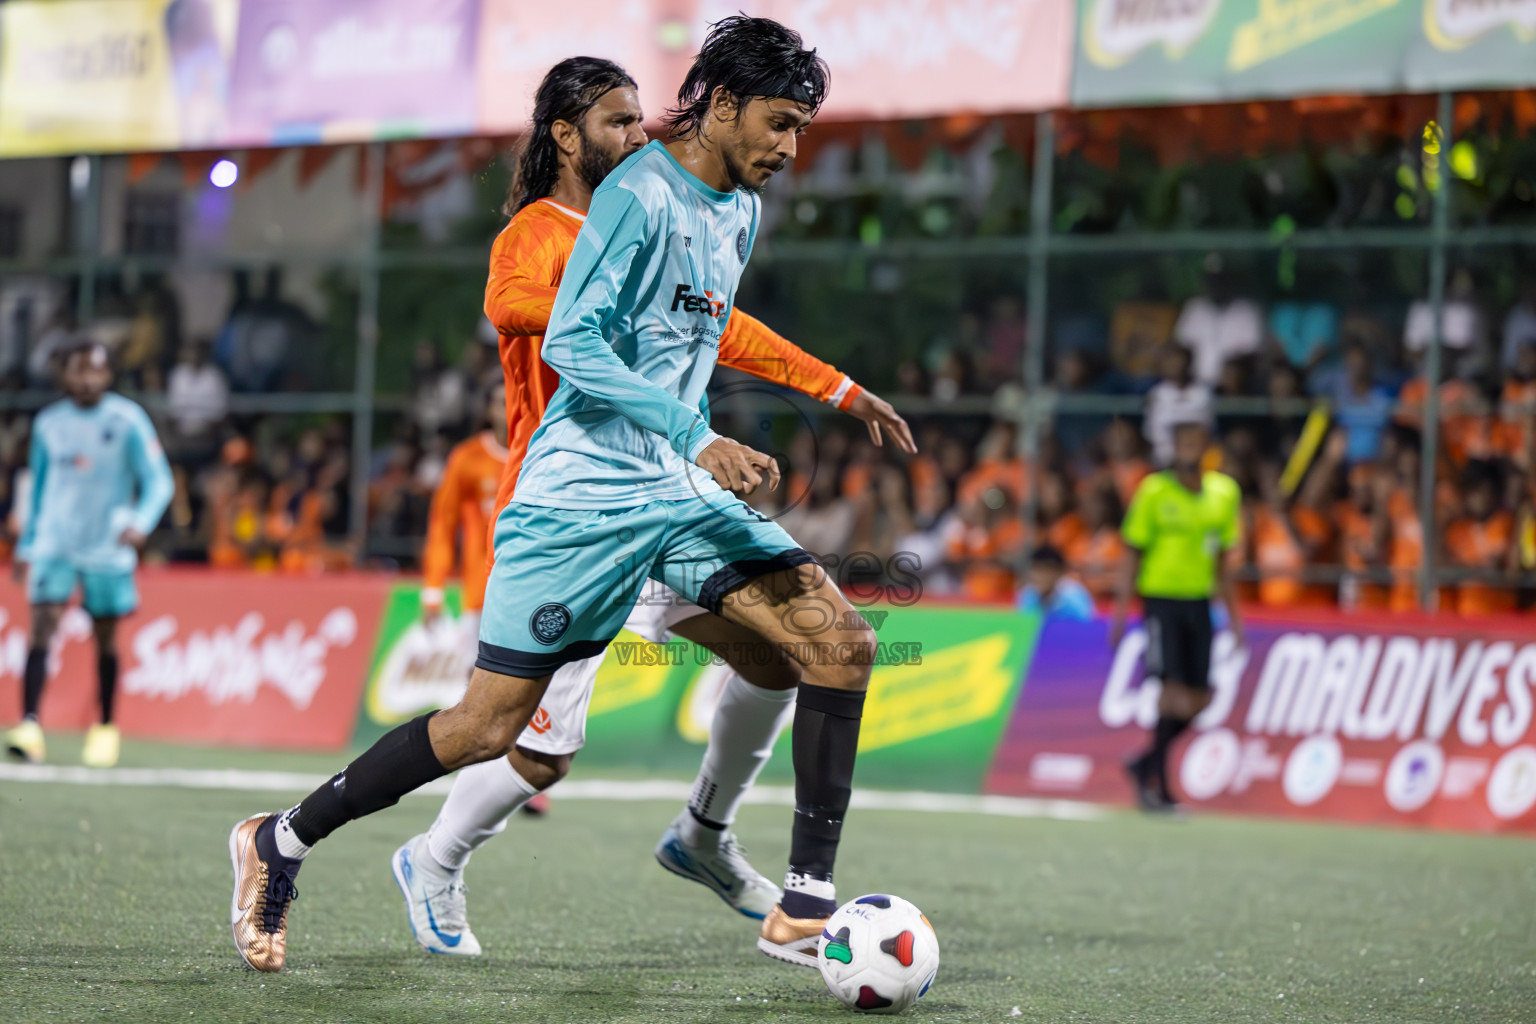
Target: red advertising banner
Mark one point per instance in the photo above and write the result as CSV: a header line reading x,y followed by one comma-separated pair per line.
x,y
214,658
1393,720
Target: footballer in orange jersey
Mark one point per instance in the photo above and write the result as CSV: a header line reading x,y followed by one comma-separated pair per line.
x,y
461,510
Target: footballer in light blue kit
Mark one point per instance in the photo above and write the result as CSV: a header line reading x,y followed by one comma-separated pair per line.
x,y
100,484
623,481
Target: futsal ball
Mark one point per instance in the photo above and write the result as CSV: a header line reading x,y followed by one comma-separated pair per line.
x,y
878,954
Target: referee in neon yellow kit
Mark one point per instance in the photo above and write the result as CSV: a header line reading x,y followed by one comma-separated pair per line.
x,y
1180,524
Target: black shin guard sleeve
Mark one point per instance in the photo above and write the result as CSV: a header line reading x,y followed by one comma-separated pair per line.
x,y
106,683
402,760
34,679
825,740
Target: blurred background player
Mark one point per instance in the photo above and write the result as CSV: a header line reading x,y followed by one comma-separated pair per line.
x,y
458,527
586,120
1180,524
100,483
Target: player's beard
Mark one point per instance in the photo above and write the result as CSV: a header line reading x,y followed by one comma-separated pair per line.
x,y
734,173
595,163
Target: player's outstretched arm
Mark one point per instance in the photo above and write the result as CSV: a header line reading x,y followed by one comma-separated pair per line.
x,y
156,484
751,346
575,346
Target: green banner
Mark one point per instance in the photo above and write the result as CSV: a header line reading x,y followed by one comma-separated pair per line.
x,y
938,701
935,712
1472,44
1149,52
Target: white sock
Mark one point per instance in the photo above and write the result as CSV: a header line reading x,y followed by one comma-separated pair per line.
x,y
747,722
476,809
287,843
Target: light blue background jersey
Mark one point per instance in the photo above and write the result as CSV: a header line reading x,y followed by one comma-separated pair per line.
x,y
634,336
87,466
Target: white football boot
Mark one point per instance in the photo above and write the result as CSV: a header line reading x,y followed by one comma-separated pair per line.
x,y
434,901
717,861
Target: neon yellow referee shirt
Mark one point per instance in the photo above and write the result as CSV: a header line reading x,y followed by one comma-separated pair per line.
x,y
1181,534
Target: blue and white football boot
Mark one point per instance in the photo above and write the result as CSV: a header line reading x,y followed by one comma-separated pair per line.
x,y
434,901
716,861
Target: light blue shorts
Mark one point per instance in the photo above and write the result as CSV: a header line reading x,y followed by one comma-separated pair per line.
x,y
564,580
105,595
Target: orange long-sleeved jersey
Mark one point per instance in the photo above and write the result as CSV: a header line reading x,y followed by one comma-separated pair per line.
x,y
527,262
465,498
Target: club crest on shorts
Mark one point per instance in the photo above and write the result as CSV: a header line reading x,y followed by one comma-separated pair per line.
x,y
549,622
741,246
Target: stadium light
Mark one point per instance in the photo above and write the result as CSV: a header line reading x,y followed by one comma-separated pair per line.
x,y
224,174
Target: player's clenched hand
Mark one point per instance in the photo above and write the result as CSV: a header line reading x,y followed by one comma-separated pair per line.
x,y
877,413
132,538
736,467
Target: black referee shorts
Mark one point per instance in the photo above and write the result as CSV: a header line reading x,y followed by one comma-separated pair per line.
x,y
1179,636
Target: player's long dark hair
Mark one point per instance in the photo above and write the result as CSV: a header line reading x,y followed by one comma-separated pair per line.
x,y
750,57
566,94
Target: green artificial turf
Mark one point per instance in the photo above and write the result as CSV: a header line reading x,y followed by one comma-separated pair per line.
x,y
114,906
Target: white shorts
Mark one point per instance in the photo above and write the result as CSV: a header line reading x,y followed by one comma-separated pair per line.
x,y
559,726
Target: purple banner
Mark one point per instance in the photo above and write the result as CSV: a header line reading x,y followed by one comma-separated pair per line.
x,y
1366,718
353,69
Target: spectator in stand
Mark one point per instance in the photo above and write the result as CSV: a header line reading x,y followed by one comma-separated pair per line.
x,y
1360,407
1177,398
823,523
1462,331
1138,331
1217,326
1075,375
1057,523
1306,333
1052,592
1005,340
197,401
1125,465
1480,542
1462,408
997,465
442,391
1517,410
1359,519
1287,540
985,546
1095,554
1278,431
921,518
1520,324
954,378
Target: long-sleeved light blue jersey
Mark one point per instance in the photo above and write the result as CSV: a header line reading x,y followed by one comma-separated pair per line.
x,y
634,335
95,472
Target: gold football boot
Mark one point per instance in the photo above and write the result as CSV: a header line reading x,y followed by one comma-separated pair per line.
x,y
258,911
791,939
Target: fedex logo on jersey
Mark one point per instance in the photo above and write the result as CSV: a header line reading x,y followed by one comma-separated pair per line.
x,y
691,302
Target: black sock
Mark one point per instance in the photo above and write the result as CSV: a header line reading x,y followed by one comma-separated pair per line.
x,y
402,760
1167,730
106,682
825,741
32,682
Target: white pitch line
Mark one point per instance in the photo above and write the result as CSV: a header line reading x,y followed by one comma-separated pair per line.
x,y
579,789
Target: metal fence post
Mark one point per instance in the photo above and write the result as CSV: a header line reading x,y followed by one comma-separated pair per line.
x,y
367,344
1441,199
1037,293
